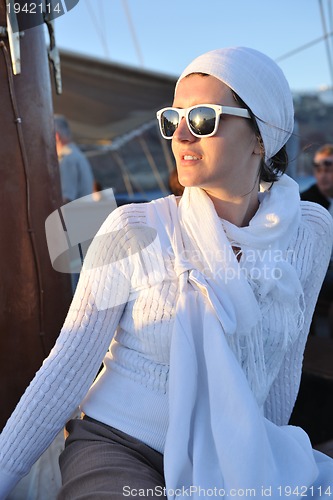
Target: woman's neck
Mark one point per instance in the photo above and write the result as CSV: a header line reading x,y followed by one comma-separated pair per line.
x,y
238,210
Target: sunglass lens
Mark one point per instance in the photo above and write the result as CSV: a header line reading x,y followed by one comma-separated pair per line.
x,y
202,120
323,163
169,122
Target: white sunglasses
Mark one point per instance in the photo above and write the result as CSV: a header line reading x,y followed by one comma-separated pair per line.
x,y
202,119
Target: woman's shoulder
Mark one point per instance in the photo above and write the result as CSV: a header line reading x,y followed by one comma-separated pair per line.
x,y
137,224
139,213
311,246
315,237
131,213
318,219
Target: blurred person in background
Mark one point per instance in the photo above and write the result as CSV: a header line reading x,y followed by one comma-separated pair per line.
x,y
76,174
322,192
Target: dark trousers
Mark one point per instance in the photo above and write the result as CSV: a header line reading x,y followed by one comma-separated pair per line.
x,y
101,462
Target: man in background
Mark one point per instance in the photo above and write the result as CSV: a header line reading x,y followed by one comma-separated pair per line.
x,y
322,192
75,171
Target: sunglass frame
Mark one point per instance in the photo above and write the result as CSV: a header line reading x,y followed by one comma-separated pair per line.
x,y
184,113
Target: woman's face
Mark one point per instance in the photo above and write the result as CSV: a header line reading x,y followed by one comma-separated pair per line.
x,y
227,162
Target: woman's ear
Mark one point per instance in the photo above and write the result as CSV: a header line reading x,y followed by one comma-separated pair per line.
x,y
257,150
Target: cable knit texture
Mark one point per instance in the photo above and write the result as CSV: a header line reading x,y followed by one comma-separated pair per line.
x,y
134,307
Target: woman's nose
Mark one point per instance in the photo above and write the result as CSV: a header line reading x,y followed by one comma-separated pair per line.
x,y
182,132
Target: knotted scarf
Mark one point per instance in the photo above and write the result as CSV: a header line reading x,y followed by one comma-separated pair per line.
x,y
218,439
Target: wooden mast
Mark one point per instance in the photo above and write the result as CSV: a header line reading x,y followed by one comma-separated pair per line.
x,y
34,298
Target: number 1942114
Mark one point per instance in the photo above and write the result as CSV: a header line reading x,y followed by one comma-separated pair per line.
x,y
34,8
305,491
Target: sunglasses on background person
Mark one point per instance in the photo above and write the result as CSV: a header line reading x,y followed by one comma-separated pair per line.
x,y
323,163
202,119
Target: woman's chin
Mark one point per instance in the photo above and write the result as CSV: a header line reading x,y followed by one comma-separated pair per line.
x,y
188,182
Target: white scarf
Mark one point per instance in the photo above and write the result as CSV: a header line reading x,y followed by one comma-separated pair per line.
x,y
217,436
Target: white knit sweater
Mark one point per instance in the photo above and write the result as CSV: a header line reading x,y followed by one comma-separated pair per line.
x,y
132,301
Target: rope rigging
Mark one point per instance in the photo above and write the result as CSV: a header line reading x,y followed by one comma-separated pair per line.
x,y
327,44
327,37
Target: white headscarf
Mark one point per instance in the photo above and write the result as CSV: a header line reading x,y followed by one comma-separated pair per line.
x,y
260,83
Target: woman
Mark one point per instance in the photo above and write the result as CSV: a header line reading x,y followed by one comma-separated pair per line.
x,y
218,288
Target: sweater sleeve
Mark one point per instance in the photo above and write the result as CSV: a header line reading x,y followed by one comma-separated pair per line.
x,y
316,232
67,373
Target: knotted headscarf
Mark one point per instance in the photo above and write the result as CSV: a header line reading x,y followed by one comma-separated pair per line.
x,y
260,83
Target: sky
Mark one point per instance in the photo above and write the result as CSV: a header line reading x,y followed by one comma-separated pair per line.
x,y
164,36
